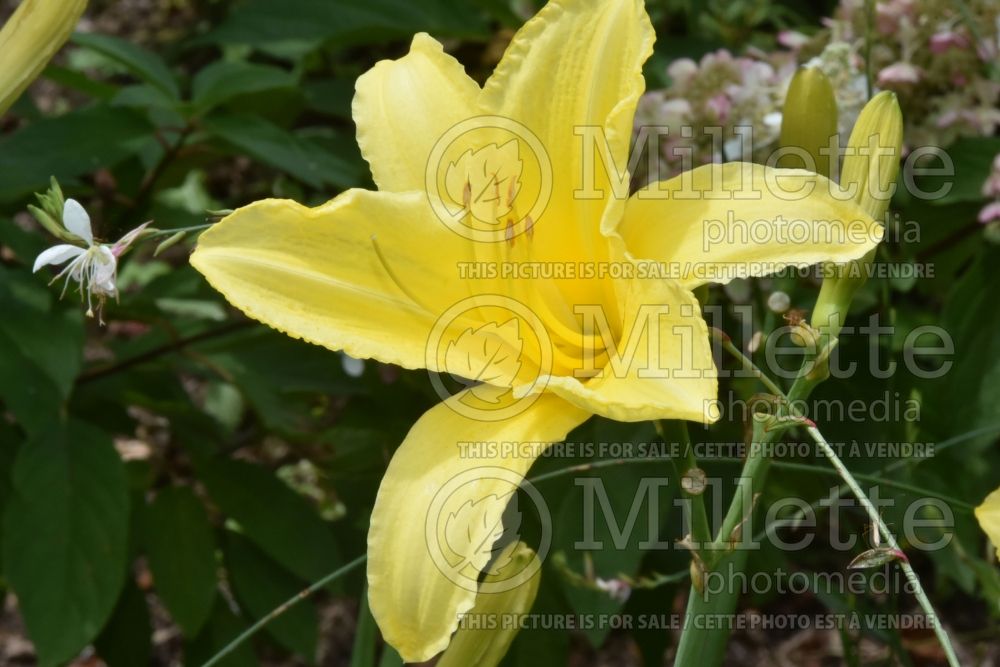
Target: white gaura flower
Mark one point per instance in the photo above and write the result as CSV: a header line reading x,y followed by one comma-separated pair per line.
x,y
94,267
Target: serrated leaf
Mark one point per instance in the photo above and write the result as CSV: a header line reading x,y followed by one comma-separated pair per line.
x,y
181,553
65,534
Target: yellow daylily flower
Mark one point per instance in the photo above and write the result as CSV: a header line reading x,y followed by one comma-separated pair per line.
x,y
988,515
29,39
521,266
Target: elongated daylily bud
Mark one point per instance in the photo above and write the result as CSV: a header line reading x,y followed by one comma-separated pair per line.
x,y
29,40
809,119
873,153
871,166
487,631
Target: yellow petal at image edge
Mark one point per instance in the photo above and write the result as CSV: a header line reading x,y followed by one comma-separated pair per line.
x,y
988,515
417,606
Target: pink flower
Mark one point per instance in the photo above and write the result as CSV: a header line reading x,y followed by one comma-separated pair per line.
x,y
792,39
898,73
990,213
947,39
720,105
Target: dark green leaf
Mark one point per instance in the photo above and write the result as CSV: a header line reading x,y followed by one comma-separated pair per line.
x,y
365,636
67,147
145,65
284,150
222,81
277,519
126,640
65,533
181,555
261,586
222,628
971,320
348,21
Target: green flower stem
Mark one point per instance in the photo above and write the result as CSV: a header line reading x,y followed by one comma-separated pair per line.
x,y
676,431
705,632
175,230
876,518
282,608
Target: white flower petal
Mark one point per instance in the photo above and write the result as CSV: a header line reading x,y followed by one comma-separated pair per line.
x,y
57,254
77,221
105,265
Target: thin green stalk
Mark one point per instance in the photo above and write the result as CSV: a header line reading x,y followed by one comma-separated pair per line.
x,y
175,230
876,518
675,431
706,633
281,609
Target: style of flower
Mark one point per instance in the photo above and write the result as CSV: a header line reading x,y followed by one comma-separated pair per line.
x,y
375,274
93,267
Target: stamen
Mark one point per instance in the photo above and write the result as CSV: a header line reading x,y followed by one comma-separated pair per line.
x,y
509,233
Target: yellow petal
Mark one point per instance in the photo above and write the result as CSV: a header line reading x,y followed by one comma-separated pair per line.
x,y
576,65
436,516
353,274
988,515
663,366
403,107
488,629
720,222
37,29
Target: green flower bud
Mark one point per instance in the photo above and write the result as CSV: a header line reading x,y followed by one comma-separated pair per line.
x,y
871,166
809,120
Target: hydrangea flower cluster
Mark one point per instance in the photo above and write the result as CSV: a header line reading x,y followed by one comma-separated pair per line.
x,y
923,50
941,69
709,104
